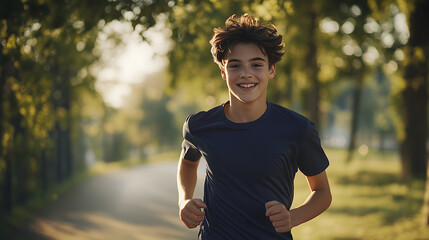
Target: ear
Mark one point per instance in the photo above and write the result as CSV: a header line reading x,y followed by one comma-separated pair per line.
x,y
272,71
222,73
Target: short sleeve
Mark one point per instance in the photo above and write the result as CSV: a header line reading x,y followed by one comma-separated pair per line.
x,y
311,158
190,151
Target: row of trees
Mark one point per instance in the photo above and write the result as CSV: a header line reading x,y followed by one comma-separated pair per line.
x,y
50,112
51,115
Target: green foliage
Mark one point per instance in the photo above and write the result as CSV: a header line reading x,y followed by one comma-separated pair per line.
x,y
46,50
51,116
191,63
348,50
369,201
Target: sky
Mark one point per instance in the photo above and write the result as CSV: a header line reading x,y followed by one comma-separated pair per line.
x,y
125,65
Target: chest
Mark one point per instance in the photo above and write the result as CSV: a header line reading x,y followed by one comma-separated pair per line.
x,y
249,155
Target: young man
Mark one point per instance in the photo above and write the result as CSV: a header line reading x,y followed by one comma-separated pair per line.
x,y
253,148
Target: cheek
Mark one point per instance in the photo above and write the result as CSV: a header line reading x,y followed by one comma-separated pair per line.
x,y
264,75
231,75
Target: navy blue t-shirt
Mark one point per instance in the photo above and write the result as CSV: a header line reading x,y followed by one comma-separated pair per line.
x,y
248,165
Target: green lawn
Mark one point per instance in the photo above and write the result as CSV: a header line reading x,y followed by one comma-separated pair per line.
x,y
369,201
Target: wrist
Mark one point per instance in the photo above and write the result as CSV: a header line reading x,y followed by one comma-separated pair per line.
x,y
182,202
294,221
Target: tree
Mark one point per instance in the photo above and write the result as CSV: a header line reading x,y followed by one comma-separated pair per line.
x,y
352,16
46,48
415,95
414,153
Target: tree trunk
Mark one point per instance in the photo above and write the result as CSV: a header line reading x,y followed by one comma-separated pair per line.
x,y
67,132
62,101
58,135
415,95
44,171
413,146
357,96
6,190
7,70
426,200
59,152
51,157
312,67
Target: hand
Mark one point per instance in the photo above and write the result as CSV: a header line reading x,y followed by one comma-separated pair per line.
x,y
191,212
279,216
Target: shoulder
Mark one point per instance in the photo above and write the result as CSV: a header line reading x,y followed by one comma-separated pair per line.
x,y
289,117
204,118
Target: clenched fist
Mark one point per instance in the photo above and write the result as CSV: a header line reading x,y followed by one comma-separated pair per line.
x,y
279,216
191,212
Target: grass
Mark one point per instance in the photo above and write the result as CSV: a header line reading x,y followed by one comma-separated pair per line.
x,y
369,201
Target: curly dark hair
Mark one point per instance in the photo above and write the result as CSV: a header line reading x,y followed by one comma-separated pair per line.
x,y
246,29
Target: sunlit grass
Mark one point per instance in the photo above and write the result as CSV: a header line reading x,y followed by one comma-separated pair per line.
x,y
164,157
369,201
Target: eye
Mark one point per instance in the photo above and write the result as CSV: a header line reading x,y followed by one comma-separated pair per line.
x,y
257,65
234,66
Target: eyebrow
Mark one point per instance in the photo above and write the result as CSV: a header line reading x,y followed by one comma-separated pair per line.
x,y
251,60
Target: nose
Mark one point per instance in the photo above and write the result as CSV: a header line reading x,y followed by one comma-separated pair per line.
x,y
245,72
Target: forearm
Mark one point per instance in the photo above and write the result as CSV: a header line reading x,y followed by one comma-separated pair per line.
x,y
186,179
317,202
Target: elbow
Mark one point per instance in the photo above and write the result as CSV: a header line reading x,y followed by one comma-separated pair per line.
x,y
325,199
328,199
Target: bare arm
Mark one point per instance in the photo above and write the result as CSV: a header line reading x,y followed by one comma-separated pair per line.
x,y
186,178
317,202
190,208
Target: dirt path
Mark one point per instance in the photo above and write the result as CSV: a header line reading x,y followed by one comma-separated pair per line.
x,y
137,203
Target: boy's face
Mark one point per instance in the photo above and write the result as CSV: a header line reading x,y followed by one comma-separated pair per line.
x,y
246,71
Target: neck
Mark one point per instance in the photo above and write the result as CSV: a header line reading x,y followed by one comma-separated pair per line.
x,y
240,112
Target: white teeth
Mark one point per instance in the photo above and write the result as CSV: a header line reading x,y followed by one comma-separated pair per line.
x,y
247,85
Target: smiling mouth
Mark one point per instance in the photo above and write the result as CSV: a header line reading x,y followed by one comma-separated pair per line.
x,y
247,85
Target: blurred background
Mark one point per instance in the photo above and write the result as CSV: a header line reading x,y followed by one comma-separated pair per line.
x,y
86,85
